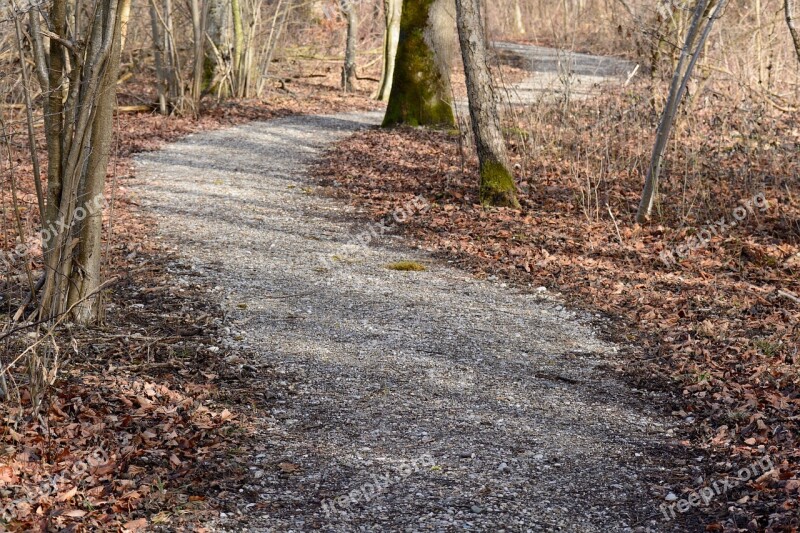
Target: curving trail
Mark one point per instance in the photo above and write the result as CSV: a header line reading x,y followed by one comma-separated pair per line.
x,y
412,401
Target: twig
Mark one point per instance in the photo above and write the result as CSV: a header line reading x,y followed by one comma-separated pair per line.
x,y
63,42
616,227
282,297
631,75
789,295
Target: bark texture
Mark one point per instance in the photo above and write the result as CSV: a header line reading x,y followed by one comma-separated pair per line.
x,y
79,135
199,58
158,58
392,13
217,55
238,38
789,9
497,183
421,94
699,29
85,278
349,73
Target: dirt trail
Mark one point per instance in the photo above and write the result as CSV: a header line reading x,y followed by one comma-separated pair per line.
x,y
412,401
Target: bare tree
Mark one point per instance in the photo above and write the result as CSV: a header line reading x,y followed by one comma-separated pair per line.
x,y
706,12
497,183
789,8
239,66
85,277
349,72
162,85
173,64
519,24
198,57
79,114
392,11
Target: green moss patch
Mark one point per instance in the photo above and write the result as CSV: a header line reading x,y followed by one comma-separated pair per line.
x,y
407,266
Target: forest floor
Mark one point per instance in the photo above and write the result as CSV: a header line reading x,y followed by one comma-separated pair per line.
x,y
242,380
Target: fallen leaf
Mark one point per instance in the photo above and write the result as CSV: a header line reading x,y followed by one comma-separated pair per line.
x,y
135,525
66,496
288,468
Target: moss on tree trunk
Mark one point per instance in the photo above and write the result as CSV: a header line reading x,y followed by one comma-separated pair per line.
x,y
497,185
497,182
421,92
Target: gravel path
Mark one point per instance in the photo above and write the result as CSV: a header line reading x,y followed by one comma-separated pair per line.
x,y
409,401
562,75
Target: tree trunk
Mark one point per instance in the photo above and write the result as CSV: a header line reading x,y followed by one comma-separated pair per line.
x,y
238,46
421,94
80,107
176,90
199,58
789,8
158,57
519,25
392,14
54,113
349,73
214,66
696,37
497,183
85,278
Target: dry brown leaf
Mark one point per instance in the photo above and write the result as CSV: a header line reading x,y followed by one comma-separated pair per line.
x,y
288,467
135,525
66,496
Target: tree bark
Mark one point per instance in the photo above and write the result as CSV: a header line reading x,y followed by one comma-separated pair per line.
x,y
199,57
789,8
85,277
54,113
238,43
497,183
519,25
696,37
392,14
75,139
349,73
421,94
158,57
214,65
176,89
